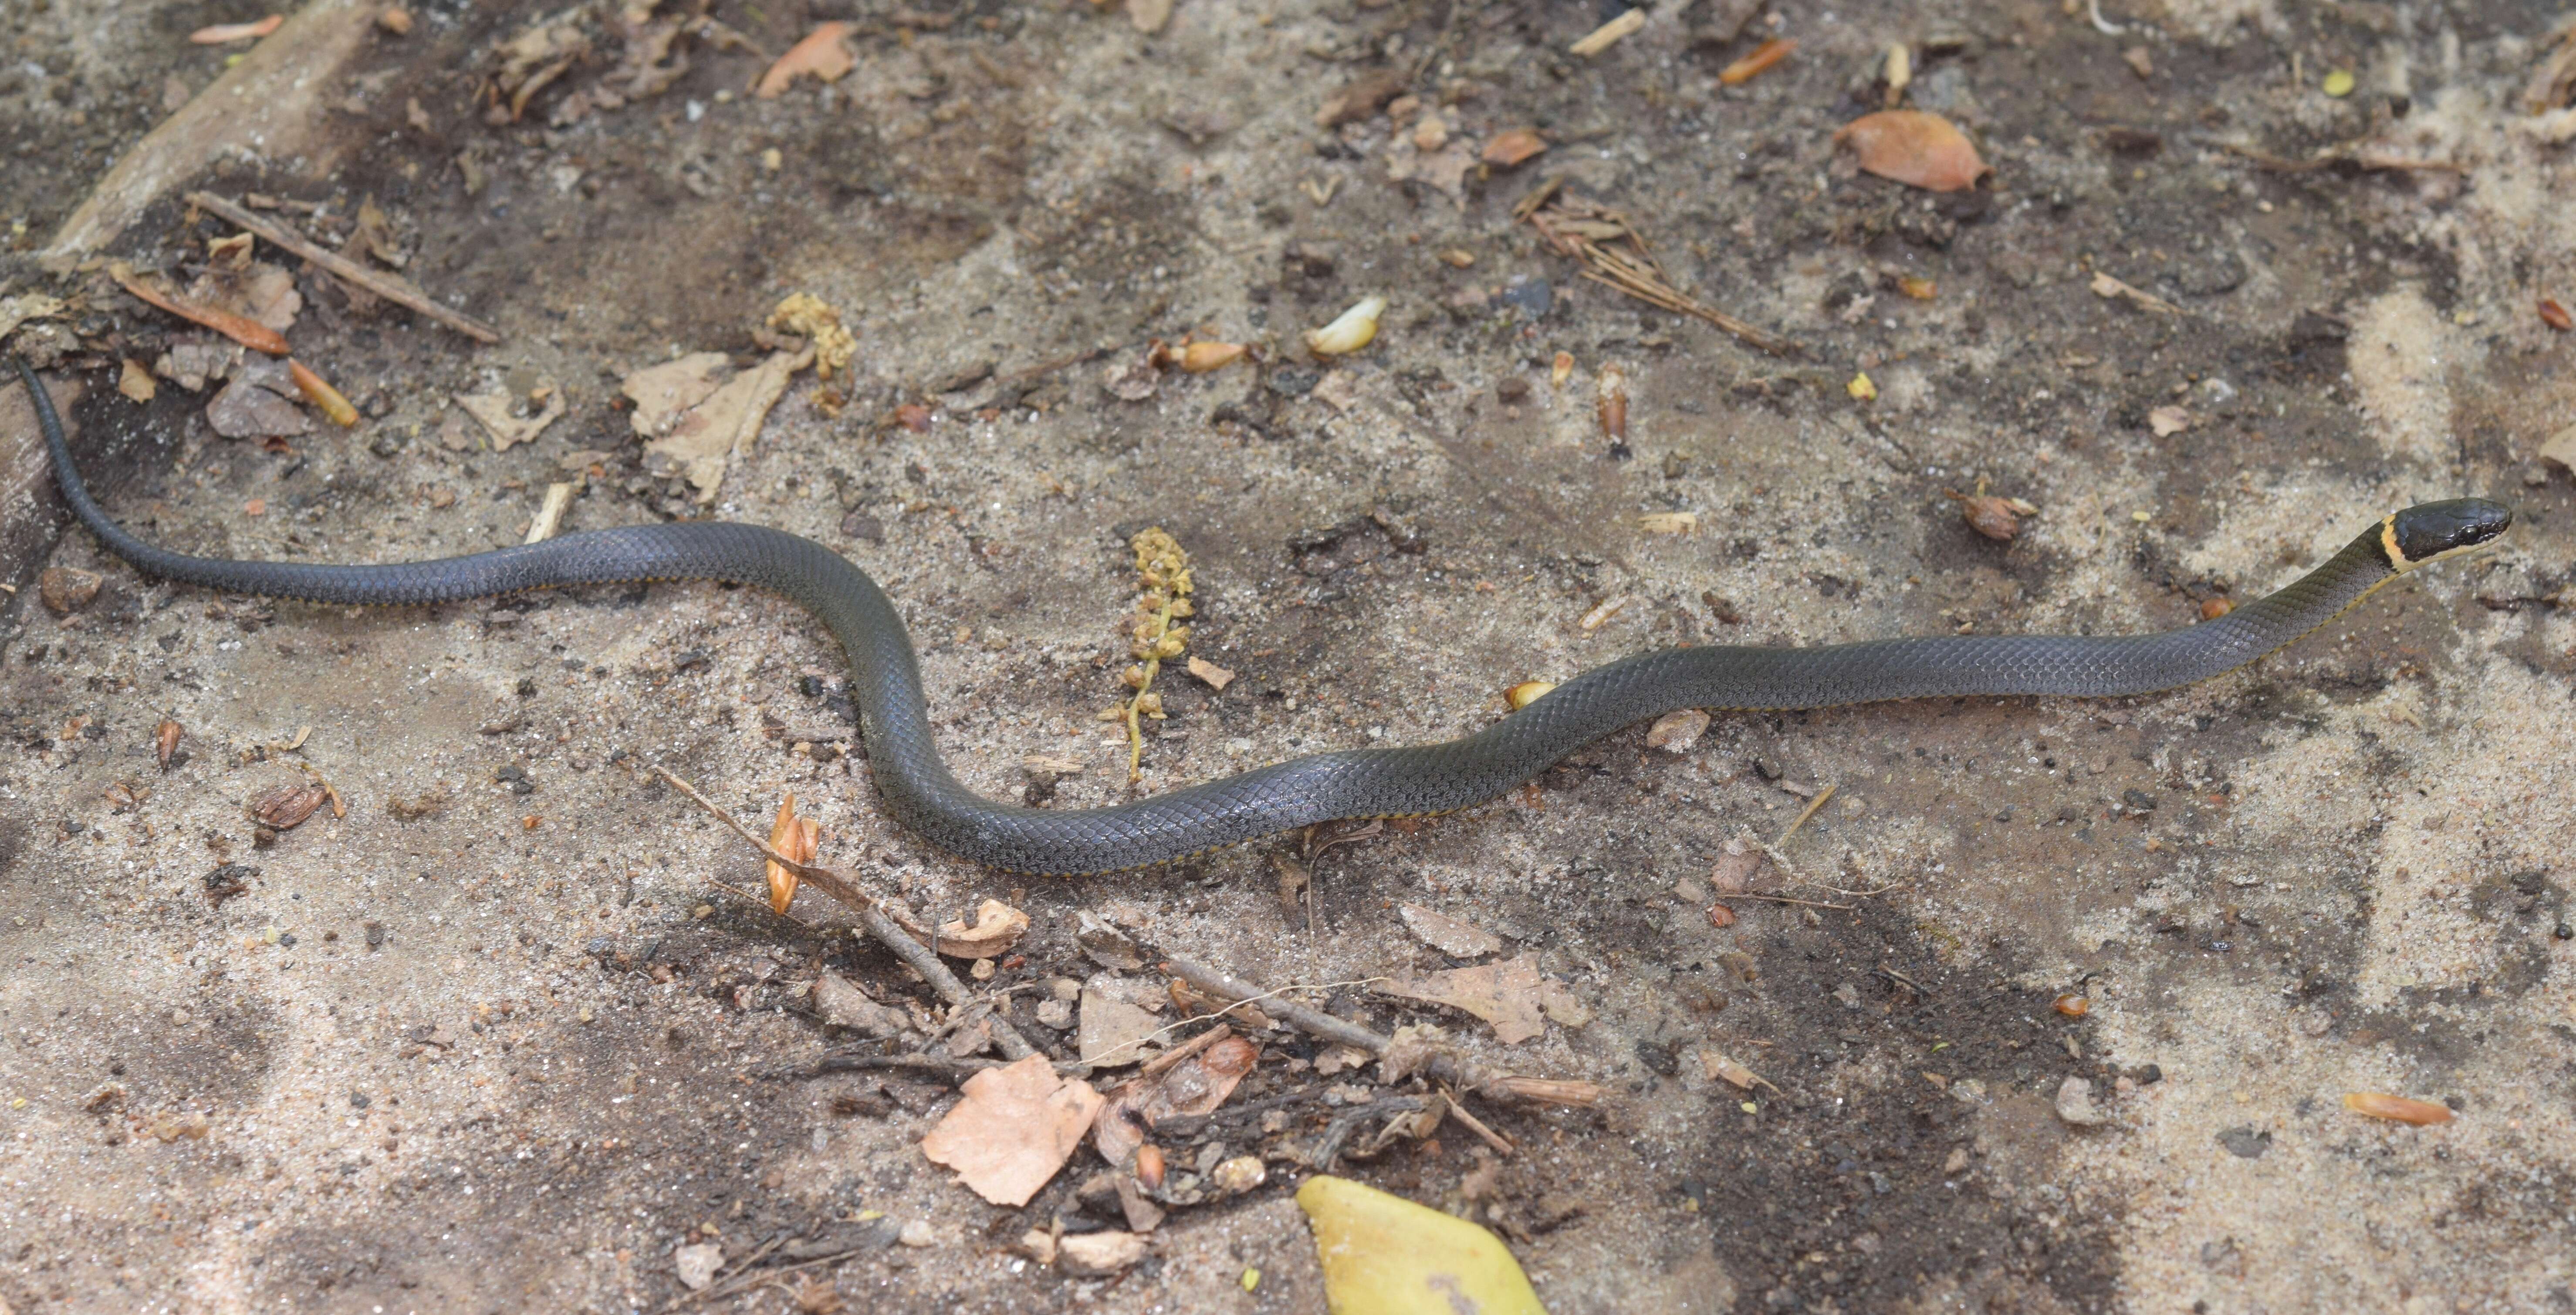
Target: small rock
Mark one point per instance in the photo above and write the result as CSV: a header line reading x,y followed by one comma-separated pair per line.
x,y
2560,450
919,1233
1056,1014
2075,1104
1676,732
1848,994
1690,890
697,1264
1240,1174
68,589
2245,1142
1099,1253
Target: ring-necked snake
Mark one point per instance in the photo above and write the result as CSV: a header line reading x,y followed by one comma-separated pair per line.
x,y
922,794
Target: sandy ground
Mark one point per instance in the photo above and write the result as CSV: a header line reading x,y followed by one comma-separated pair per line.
x,y
472,1047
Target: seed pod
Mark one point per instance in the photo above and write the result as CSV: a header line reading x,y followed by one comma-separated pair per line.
x,y
2073,1006
1526,693
1610,403
1354,329
286,807
1149,1166
1995,518
1150,704
1201,357
1560,370
165,742
1134,676
2380,1105
2214,608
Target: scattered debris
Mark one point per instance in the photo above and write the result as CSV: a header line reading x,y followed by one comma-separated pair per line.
x,y
134,380
997,928
696,1264
1112,1032
1097,1254
818,322
1609,34
316,391
2554,314
1195,1078
843,1004
1996,518
1504,994
1014,1129
1360,98
2167,421
27,306
1756,62
165,744
1202,357
1526,693
1349,332
496,412
1214,676
703,443
67,589
259,402
223,34
2380,1105
824,53
1718,1066
2071,1005
2075,1104
285,808
1914,147
241,329
796,837
1448,935
1669,522
2107,287
1614,253
1509,149
1382,1253
392,287
1163,588
1676,732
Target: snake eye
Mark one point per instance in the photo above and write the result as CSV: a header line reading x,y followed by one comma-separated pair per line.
x,y
2436,529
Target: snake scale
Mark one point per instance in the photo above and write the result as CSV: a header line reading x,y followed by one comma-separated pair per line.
x,y
922,794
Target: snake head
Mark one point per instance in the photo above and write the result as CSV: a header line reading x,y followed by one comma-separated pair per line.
x,y
2430,531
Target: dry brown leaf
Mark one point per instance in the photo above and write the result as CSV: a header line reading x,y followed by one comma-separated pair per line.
x,y
258,403
255,290
1111,1032
165,742
1504,994
1217,677
1014,1129
2168,421
135,381
285,808
493,411
704,442
1913,147
1447,934
997,928
1196,1085
821,54
2380,1105
663,393
1513,146
799,838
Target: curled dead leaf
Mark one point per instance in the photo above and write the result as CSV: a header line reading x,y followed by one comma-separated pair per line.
x,y
1913,147
286,807
165,742
821,54
1512,146
799,838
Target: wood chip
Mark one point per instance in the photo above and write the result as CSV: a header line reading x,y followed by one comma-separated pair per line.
x,y
1754,63
2380,1105
1512,147
1609,34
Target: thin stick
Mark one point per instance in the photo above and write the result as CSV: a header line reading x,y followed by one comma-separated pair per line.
x,y
1314,1022
1477,1126
399,291
844,886
1783,899
1808,812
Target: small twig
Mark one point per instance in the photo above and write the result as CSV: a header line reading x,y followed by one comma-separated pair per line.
x,y
1908,982
2348,153
1783,899
955,1070
844,886
1314,1022
399,291
1808,812
1477,1126
745,1282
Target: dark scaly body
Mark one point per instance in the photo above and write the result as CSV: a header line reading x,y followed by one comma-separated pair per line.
x,y
922,794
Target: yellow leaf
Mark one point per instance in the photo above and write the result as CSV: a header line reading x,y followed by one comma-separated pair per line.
x,y
1384,1255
